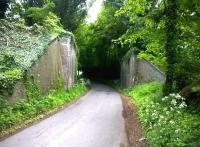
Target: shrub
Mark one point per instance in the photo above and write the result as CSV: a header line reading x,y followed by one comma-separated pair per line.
x,y
45,17
166,121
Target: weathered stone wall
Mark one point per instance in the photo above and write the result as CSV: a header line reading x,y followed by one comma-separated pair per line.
x,y
129,71
135,71
59,61
48,68
68,61
148,72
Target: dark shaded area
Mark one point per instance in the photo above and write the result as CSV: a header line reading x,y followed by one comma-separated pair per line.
x,y
192,95
3,7
100,52
34,3
106,73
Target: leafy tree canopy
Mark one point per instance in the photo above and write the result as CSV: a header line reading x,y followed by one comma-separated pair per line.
x,y
167,34
71,12
96,41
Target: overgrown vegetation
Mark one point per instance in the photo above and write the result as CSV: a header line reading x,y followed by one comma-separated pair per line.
x,y
164,32
24,45
35,107
19,49
166,120
25,33
45,17
26,29
95,42
48,13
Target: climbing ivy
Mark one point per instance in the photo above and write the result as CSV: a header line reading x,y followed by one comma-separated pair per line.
x,y
9,73
19,49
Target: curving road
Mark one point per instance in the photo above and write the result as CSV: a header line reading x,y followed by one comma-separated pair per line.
x,y
93,121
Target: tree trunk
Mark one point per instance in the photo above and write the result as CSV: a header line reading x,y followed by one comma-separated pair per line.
x,y
171,30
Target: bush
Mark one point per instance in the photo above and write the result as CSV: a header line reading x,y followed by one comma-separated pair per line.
x,y
165,120
45,17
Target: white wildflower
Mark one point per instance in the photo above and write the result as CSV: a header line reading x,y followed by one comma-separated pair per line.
x,y
16,16
171,122
177,130
167,112
173,102
172,95
182,105
165,109
165,98
161,117
193,13
178,96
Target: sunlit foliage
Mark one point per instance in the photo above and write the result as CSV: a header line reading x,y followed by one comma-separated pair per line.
x,y
96,42
167,34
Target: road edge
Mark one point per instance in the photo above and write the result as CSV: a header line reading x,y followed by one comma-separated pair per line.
x,y
43,116
132,123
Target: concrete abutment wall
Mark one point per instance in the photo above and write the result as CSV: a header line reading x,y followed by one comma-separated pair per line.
x,y
135,71
58,61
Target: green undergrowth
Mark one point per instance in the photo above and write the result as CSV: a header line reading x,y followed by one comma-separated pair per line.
x,y
166,120
35,107
20,48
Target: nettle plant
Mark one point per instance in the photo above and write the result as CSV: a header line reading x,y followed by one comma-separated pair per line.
x,y
162,120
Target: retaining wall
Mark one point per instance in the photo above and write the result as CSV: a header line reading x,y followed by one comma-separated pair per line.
x,y
58,61
136,71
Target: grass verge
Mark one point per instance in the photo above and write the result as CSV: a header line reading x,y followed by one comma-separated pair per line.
x,y
19,115
165,120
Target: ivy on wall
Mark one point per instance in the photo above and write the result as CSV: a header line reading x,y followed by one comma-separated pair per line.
x,y
19,49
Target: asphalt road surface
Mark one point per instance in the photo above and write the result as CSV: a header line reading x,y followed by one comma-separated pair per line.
x,y
93,121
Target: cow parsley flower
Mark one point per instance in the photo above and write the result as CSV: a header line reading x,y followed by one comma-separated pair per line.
x,y
173,102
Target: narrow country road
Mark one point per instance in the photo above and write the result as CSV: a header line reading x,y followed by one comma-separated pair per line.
x,y
93,121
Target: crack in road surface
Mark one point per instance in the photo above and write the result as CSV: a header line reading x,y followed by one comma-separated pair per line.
x,y
95,120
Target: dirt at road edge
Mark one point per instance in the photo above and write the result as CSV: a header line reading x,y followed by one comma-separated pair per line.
x,y
132,124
